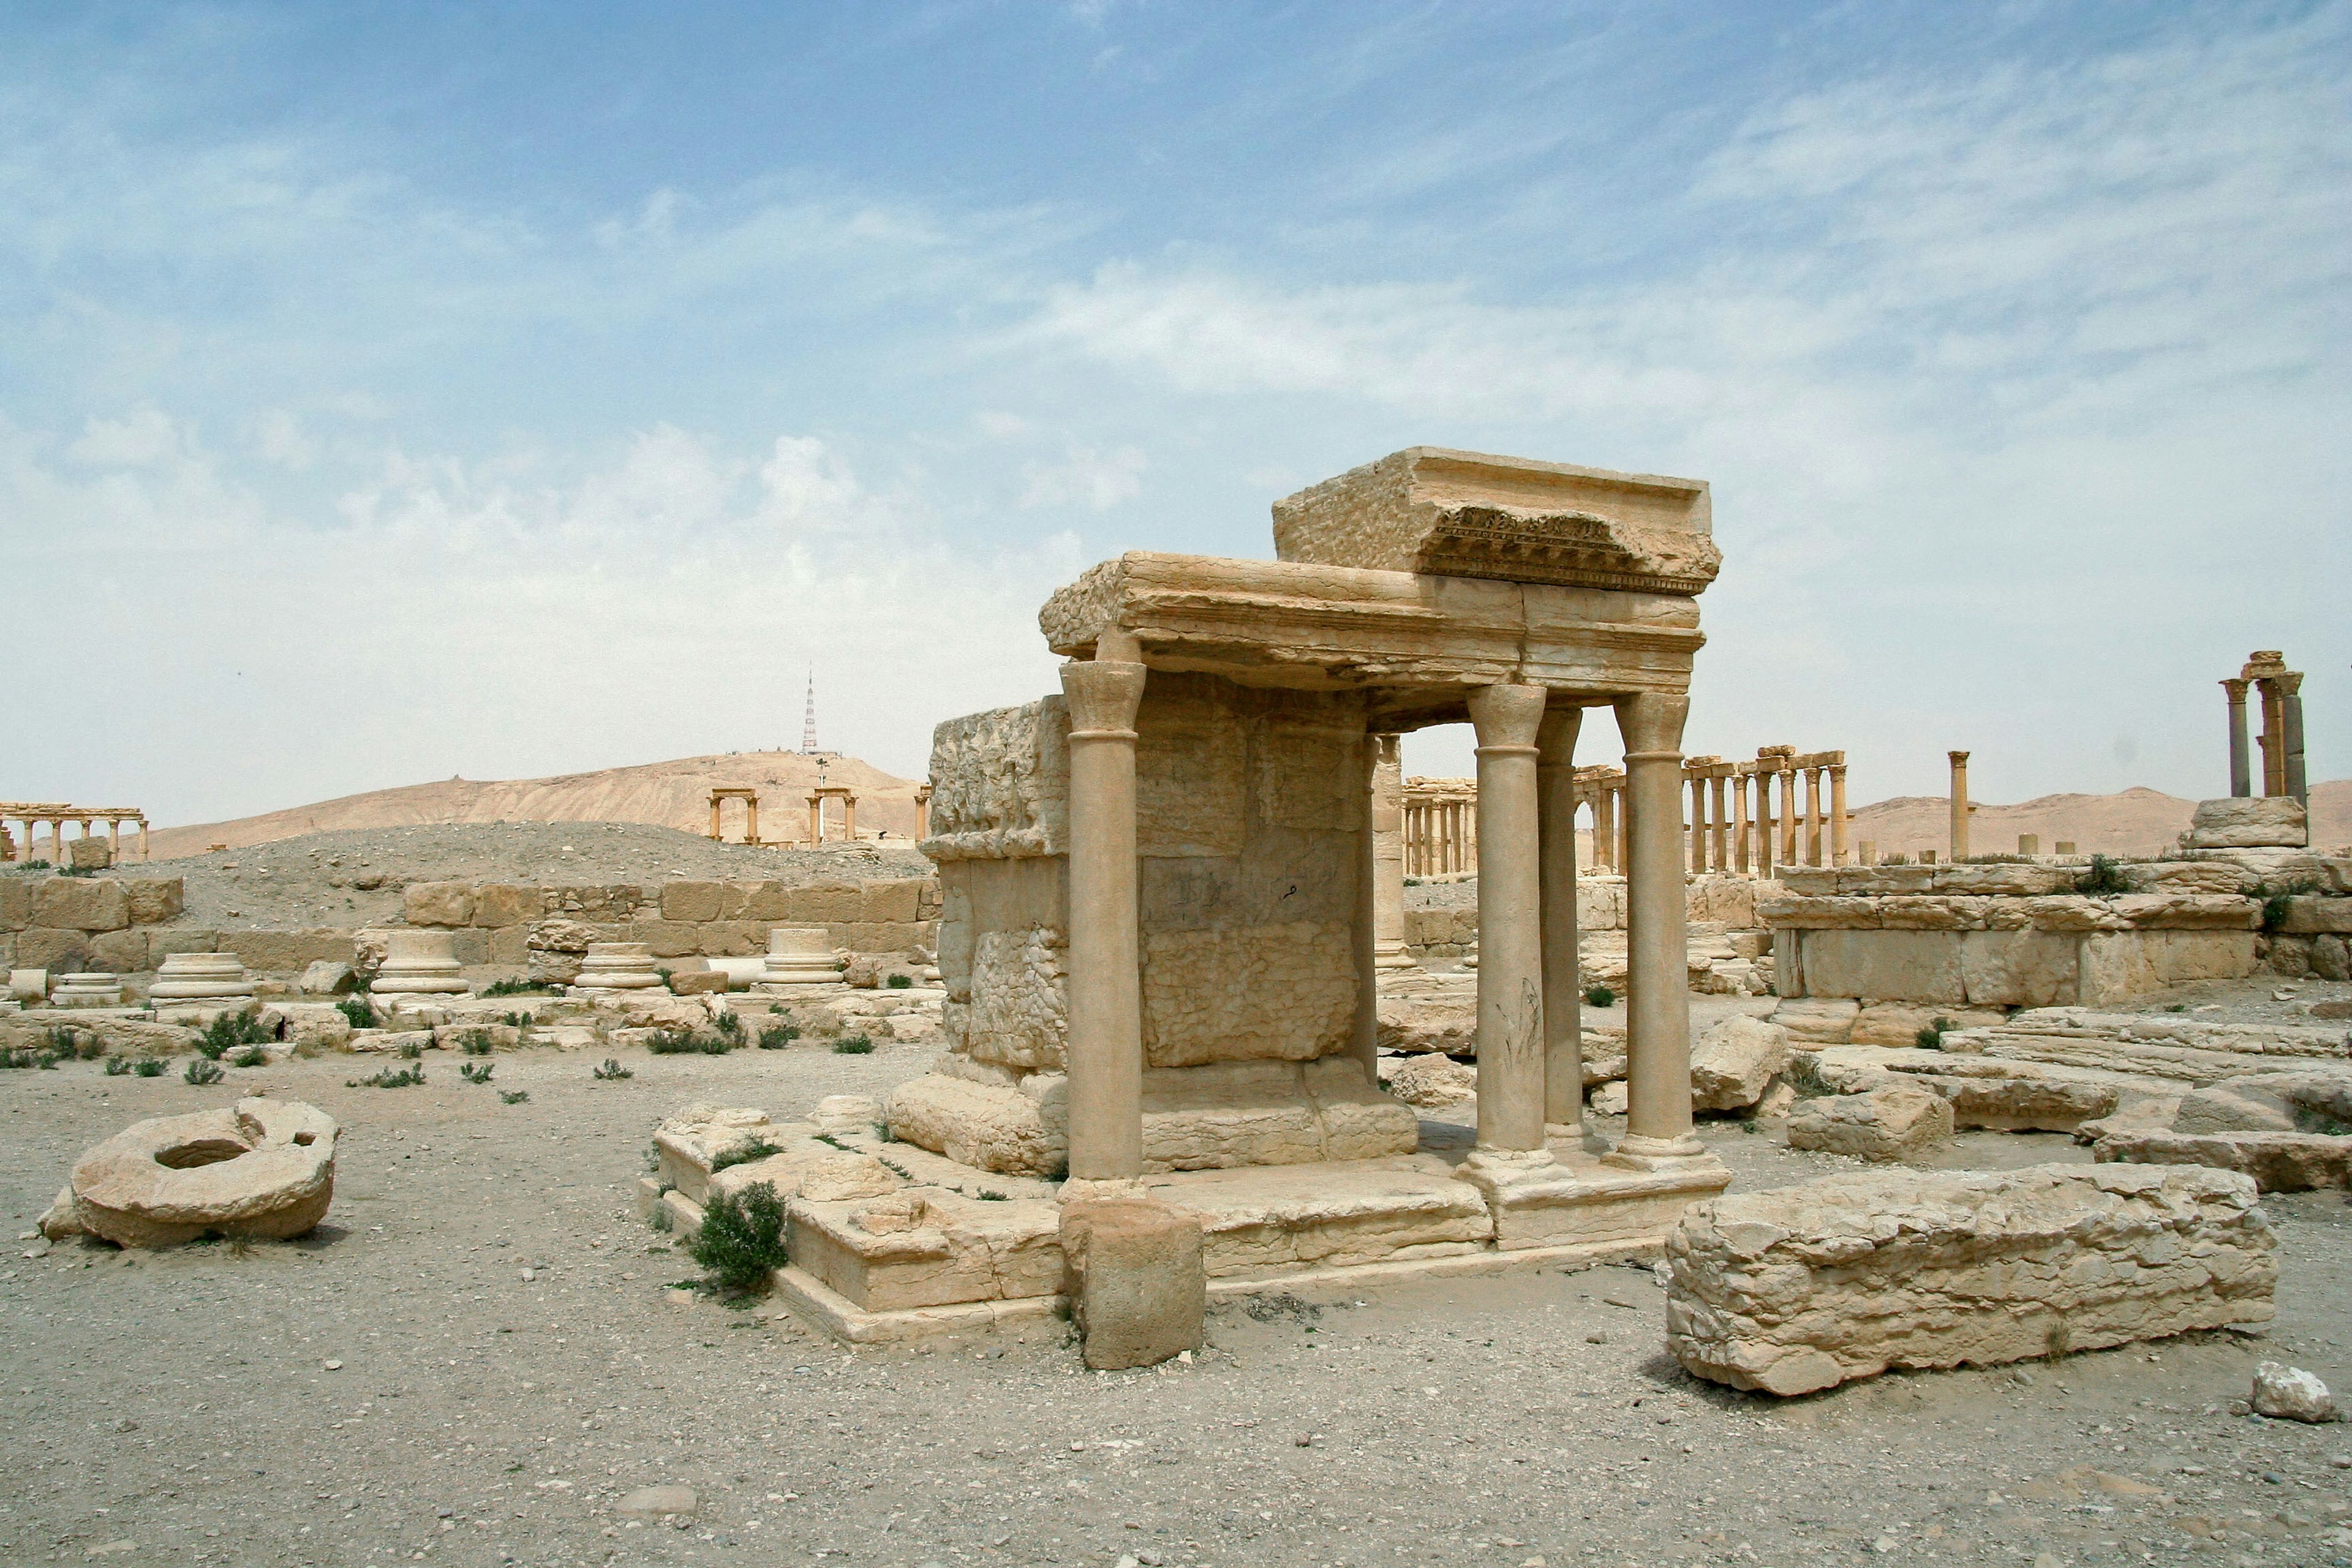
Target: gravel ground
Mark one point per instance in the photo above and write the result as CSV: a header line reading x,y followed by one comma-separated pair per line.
x,y
354,878
479,1355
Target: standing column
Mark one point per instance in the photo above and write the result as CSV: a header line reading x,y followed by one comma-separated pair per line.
x,y
2242,778
1722,859
1604,831
850,818
1386,803
1511,1040
1812,816
1788,812
1105,991
751,819
1621,817
1767,837
1739,786
2291,732
1837,814
922,813
113,839
142,839
1371,886
1657,1004
1959,805
816,819
1562,1009
1698,827
2274,736
714,819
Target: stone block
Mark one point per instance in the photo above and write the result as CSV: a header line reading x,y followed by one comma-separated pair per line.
x,y
1016,1130
698,982
2331,958
59,952
734,939
16,903
1732,1063
2275,1161
1446,1026
276,952
2249,822
876,936
2019,969
1898,1022
826,903
1817,1020
501,904
326,978
667,938
1433,1081
1799,1288
1892,965
509,945
694,901
438,904
1899,1122
162,944
153,900
2309,914
122,952
80,903
897,900
1135,1279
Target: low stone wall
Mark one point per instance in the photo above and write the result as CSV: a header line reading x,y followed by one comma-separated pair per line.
x,y
1729,902
80,922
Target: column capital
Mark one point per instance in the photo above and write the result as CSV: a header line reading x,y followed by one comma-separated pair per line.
x,y
1556,738
1387,748
1103,696
1506,715
1651,724
2236,687
1960,759
2290,683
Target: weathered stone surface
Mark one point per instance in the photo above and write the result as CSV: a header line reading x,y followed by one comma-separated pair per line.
x,y
1019,1130
1444,1024
1898,1121
155,900
2309,913
1432,1080
1733,1062
2278,1162
1001,783
1800,1288
1817,1020
80,903
309,1026
60,1219
1135,1279
1283,992
2290,1393
2249,822
1898,1022
438,904
265,1169
326,978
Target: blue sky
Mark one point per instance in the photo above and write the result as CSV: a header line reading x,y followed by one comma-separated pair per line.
x,y
400,391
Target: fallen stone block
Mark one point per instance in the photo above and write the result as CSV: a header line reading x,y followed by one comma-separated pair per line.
x,y
1817,1021
2248,822
1733,1062
1136,1280
264,1170
1432,1080
326,978
1800,1288
1419,1024
2278,1162
1899,1121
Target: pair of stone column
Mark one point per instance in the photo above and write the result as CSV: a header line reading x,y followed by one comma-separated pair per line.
x,y
2282,739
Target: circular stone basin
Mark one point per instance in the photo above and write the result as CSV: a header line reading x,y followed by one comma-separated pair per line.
x,y
264,1170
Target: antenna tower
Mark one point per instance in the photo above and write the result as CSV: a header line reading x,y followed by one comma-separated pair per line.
x,y
808,720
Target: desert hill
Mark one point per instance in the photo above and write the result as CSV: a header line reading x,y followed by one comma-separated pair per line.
x,y
666,795
2134,822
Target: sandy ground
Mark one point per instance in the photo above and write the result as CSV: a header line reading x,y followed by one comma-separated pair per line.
x,y
355,878
479,1355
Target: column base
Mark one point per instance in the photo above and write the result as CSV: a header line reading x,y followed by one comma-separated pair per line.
x,y
1635,1153
1085,1190
1543,1198
1392,955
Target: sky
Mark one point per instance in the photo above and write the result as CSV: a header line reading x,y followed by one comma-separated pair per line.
x,y
396,391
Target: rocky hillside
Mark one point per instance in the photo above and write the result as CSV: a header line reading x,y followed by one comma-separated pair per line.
x,y
2135,822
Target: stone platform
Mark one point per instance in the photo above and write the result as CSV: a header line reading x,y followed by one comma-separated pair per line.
x,y
928,1245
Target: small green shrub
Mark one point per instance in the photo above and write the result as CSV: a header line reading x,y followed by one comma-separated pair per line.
x,y
116,1067
47,1061
359,1010
518,988
853,1046
2276,904
612,1071
516,1021
900,982
251,1056
1931,1037
666,976
741,1238
1599,996
474,1042
743,1155
729,1027
776,1036
477,1072
389,1078
151,1067
688,1042
2104,879
14,1059
229,1032
410,1051
203,1070
514,1096
77,871
991,1196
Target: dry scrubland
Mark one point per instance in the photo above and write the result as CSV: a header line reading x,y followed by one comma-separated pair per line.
x,y
481,1356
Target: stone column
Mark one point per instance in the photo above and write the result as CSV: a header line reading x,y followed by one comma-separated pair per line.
x,y
1604,829
2242,778
1739,790
850,818
1386,799
1721,856
1768,836
1698,827
1788,812
1657,1003
2273,737
142,839
1511,1040
1372,865
1621,817
1837,814
1812,816
2291,733
1562,1004
1105,991
714,819
751,819
113,839
922,813
816,819
1959,805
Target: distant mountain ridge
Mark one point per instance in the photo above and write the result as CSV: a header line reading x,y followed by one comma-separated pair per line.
x,y
2134,822
668,795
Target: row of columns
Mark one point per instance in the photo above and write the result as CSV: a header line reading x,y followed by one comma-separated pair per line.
x,y
1745,818
32,822
1531,1068
2280,691
1441,834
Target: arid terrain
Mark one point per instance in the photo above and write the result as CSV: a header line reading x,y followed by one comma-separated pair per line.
x,y
482,1354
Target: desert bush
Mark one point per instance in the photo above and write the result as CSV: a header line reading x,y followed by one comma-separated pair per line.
x,y
514,1096
1599,996
518,988
689,1042
1931,1036
116,1067
231,1031
612,1071
477,1072
153,1066
203,1070
388,1077
251,1056
474,1042
853,1046
359,1010
2104,879
776,1036
741,1238
743,1155
899,982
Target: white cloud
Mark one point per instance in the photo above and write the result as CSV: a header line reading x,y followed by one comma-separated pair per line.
x,y
1084,477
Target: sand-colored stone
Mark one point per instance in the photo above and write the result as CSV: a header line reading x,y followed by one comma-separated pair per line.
x,y
1898,1121
201,976
1433,1081
263,1170
1733,1062
1135,1279
419,964
2276,1162
2254,822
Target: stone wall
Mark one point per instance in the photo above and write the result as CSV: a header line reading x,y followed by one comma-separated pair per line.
x,y
64,923
1726,902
